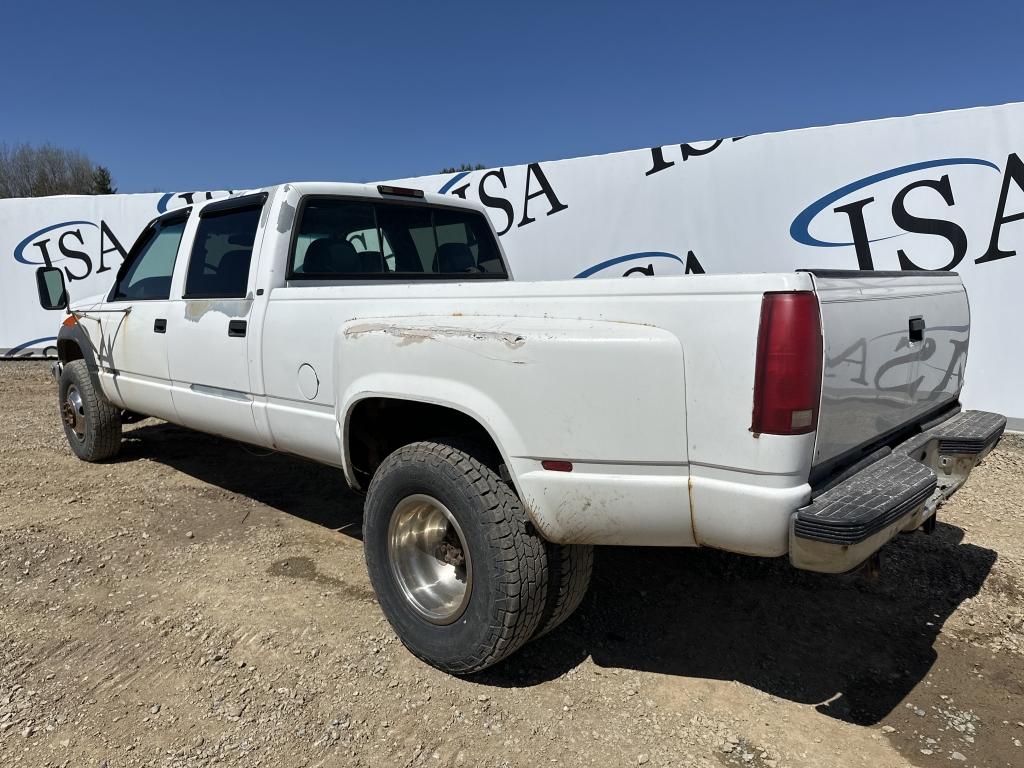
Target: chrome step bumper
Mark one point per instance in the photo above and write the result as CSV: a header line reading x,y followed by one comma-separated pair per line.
x,y
848,523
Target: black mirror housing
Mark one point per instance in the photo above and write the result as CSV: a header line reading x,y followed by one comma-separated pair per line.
x,y
50,284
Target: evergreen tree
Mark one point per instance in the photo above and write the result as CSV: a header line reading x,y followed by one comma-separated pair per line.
x,y
102,184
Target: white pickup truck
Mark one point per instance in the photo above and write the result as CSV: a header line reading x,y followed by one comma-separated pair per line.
x,y
499,428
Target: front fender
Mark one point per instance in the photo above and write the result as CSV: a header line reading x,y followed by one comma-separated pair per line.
x,y
71,338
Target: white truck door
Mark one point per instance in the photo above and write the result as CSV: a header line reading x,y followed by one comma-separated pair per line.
x,y
132,346
208,327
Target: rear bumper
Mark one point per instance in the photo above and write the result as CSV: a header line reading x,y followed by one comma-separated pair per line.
x,y
848,523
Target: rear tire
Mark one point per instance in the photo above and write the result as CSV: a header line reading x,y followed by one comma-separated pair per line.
x,y
92,424
570,566
569,569
459,572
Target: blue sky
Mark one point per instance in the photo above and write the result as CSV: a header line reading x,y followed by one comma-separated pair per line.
x,y
182,95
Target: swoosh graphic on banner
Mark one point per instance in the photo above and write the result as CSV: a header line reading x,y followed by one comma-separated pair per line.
x,y
161,204
15,350
18,250
452,182
799,231
628,257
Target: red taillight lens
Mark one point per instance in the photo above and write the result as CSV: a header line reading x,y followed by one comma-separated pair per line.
x,y
787,381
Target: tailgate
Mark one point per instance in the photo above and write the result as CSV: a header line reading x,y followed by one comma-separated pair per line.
x,y
895,348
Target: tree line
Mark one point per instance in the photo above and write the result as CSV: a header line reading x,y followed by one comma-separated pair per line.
x,y
37,171
463,167
30,171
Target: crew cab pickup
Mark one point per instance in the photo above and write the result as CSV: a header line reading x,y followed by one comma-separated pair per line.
x,y
501,428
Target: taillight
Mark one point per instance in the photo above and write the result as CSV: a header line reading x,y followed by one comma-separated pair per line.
x,y
787,381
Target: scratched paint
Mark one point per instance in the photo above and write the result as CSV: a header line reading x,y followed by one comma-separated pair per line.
x,y
285,216
196,309
409,335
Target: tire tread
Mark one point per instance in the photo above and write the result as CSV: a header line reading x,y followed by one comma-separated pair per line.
x,y
522,571
102,418
571,566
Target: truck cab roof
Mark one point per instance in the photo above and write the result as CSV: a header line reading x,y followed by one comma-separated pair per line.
x,y
369,191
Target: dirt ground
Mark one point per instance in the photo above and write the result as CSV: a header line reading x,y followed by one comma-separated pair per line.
x,y
196,603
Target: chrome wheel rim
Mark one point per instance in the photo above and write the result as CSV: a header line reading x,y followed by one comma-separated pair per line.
x,y
73,412
429,558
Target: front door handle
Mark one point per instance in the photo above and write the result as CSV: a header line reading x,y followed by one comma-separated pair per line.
x,y
916,329
236,328
160,325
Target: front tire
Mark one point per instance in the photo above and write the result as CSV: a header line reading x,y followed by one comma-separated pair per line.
x,y
459,572
92,424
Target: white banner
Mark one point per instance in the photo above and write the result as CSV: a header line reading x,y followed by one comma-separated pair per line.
x,y
87,236
938,191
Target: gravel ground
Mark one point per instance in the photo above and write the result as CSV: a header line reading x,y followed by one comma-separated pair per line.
x,y
196,603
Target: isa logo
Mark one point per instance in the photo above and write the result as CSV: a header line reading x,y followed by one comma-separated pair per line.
x,y
80,248
929,215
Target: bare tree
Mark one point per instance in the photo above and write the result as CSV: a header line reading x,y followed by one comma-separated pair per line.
x,y
27,171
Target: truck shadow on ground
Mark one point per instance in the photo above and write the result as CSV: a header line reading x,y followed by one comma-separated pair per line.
x,y
305,489
852,647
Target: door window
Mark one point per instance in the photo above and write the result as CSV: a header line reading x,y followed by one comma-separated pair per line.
x,y
147,275
221,253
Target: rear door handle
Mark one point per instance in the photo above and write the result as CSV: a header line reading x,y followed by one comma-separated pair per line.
x,y
916,329
236,328
160,325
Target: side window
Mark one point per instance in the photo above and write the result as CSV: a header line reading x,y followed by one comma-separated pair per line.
x,y
148,276
221,253
339,238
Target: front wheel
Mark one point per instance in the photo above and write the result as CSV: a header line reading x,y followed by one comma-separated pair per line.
x,y
92,424
458,570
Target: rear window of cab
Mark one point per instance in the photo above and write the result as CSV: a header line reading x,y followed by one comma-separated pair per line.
x,y
339,238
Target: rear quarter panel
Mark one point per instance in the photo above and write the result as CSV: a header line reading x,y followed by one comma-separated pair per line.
x,y
646,385
582,390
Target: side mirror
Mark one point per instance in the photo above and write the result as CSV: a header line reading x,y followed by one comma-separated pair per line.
x,y
50,283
